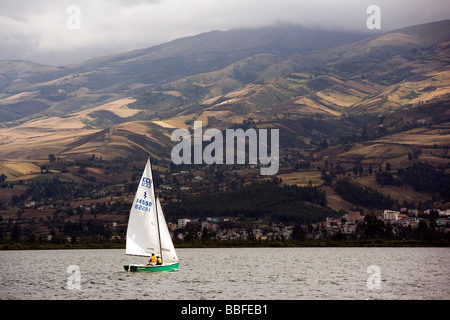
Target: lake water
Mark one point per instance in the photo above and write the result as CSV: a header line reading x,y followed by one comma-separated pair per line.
x,y
231,274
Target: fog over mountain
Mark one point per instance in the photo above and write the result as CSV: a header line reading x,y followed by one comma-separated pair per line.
x,y
66,32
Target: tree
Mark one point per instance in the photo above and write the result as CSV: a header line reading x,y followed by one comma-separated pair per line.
x,y
359,195
73,237
388,166
82,170
327,178
339,236
30,235
16,233
422,229
364,132
339,169
51,157
250,234
373,227
205,235
410,157
298,234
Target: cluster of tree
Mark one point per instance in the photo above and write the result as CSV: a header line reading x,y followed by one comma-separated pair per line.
x,y
387,178
54,93
90,231
92,161
90,228
3,184
148,99
59,189
372,227
362,196
61,228
257,200
55,189
424,177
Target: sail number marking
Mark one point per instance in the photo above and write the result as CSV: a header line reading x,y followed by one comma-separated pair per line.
x,y
146,182
143,205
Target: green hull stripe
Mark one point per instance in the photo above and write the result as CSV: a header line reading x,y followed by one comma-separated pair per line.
x,y
170,267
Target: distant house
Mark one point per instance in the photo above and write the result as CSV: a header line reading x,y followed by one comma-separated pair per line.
x,y
182,222
171,226
402,220
353,216
30,204
349,228
206,224
391,215
443,221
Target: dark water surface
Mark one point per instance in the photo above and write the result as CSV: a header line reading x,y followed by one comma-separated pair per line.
x,y
231,274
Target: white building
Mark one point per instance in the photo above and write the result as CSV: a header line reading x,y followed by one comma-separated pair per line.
x,y
391,215
182,222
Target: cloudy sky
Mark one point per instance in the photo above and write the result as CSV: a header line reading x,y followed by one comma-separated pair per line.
x,y
71,31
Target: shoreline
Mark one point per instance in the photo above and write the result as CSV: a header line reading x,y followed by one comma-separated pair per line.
x,y
239,244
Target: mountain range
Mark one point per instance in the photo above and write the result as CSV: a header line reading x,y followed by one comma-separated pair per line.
x,y
337,97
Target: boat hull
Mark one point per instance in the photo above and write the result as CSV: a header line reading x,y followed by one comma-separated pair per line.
x,y
148,268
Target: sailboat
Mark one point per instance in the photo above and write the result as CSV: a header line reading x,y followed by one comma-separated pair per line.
x,y
147,231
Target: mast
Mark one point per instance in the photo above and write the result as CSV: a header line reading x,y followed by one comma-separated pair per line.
x,y
156,210
159,232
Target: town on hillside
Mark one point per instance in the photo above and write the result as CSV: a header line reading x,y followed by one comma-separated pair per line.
x,y
50,209
388,224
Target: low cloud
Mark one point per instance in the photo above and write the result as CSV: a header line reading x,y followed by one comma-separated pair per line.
x,y
37,30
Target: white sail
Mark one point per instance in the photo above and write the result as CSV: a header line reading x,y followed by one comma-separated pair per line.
x,y
142,232
168,250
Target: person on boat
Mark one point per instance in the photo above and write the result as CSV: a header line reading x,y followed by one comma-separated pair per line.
x,y
152,260
158,260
